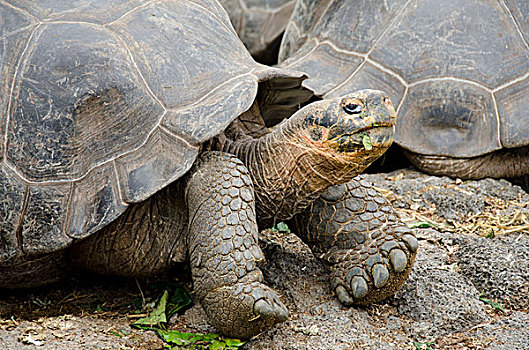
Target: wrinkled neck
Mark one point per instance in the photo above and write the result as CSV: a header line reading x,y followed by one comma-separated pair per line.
x,y
287,174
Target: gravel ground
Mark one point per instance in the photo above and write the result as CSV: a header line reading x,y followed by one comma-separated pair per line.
x,y
441,303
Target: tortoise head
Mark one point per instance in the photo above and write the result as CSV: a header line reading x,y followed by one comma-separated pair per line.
x,y
357,127
323,144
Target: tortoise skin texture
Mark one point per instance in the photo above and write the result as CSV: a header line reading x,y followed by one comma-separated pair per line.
x,y
359,238
122,154
225,251
457,70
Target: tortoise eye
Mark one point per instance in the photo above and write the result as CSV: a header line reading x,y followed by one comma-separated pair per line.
x,y
352,108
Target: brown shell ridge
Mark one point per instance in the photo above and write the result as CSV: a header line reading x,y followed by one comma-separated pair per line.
x,y
54,21
264,73
11,88
26,13
294,25
129,12
515,22
365,58
452,78
228,25
510,83
118,189
68,216
402,100
211,92
498,121
19,30
138,71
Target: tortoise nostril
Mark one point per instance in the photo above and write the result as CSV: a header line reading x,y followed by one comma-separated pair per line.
x,y
352,108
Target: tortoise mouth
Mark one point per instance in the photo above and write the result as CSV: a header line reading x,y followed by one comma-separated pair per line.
x,y
367,139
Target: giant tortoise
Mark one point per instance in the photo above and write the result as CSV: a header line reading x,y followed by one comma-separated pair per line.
x,y
458,71
133,137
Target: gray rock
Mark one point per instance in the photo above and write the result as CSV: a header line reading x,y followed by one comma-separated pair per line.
x,y
511,332
452,205
452,199
499,267
317,319
440,300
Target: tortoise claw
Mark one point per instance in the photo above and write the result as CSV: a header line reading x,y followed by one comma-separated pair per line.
x,y
271,308
235,311
398,259
380,275
344,296
359,287
359,237
411,242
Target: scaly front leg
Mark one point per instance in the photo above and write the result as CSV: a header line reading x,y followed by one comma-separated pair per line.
x,y
224,251
358,236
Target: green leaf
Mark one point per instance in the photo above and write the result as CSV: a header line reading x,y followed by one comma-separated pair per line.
x,y
491,234
422,346
494,304
217,345
167,306
281,227
210,340
234,343
156,317
421,224
366,141
185,339
116,334
179,300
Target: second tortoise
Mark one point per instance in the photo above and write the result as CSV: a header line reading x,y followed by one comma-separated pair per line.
x,y
457,70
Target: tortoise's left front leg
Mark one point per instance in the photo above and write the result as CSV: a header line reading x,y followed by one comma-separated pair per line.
x,y
358,236
223,248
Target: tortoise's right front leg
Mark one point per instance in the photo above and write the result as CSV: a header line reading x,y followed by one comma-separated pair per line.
x,y
359,238
224,251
